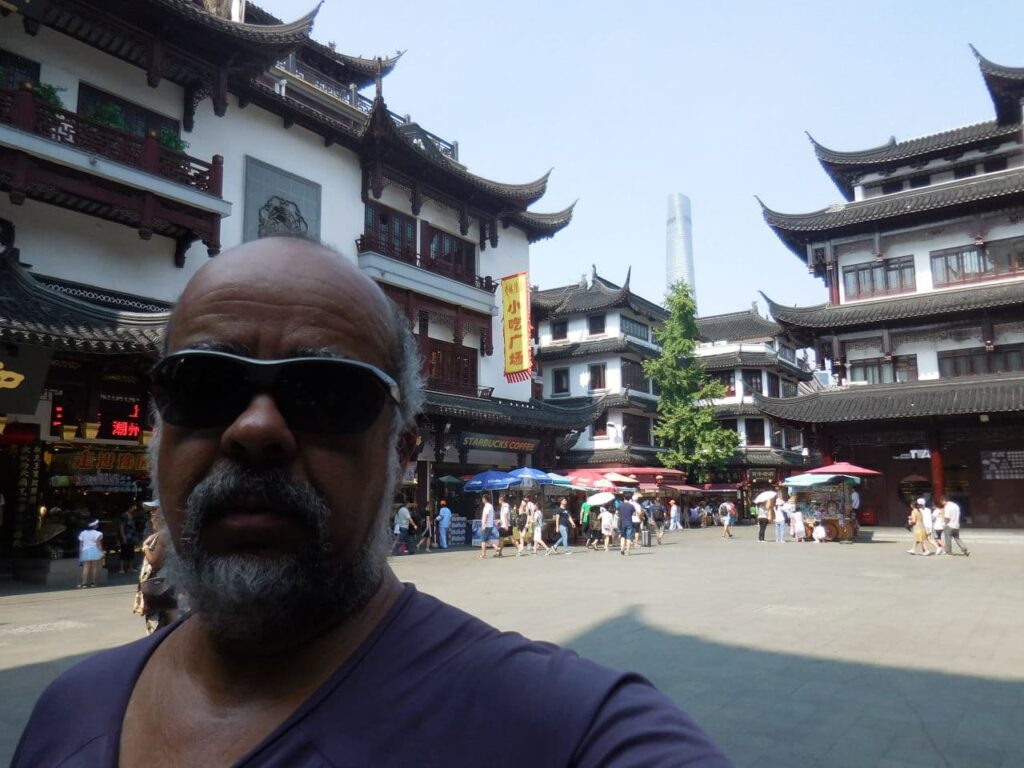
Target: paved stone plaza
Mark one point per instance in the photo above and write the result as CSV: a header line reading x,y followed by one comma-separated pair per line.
x,y
792,655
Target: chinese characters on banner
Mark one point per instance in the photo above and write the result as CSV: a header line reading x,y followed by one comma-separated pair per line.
x,y
122,461
515,325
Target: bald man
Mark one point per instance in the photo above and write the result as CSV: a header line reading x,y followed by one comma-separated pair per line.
x,y
287,394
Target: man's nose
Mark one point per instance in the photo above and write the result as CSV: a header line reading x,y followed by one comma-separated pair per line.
x,y
260,436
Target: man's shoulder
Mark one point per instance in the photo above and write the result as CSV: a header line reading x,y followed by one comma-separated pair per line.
x,y
88,700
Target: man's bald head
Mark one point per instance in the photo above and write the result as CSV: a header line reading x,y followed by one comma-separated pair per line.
x,y
293,267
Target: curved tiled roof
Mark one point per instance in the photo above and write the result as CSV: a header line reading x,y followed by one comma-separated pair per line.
x,y
1005,86
845,167
750,359
634,456
31,313
540,226
733,410
933,304
995,393
627,398
273,34
736,326
797,229
600,294
498,410
765,457
597,347
382,131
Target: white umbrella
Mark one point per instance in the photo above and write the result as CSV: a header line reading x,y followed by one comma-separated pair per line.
x,y
599,499
765,496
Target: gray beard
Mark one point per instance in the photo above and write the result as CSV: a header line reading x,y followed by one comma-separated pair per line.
x,y
257,601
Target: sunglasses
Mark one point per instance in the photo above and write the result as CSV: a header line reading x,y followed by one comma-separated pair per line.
x,y
202,389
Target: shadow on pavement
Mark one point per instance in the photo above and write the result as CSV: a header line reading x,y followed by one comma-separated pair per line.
x,y
21,687
775,709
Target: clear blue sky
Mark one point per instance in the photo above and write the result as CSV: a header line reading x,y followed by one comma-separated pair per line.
x,y
629,101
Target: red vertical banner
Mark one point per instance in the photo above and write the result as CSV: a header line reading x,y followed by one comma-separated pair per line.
x,y
515,326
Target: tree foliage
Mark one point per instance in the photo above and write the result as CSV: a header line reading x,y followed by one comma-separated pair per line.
x,y
686,423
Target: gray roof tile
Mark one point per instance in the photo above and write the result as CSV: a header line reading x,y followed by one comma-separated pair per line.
x,y
736,326
996,393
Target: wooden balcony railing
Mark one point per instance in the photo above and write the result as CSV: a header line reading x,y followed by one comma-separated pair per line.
x,y
371,242
449,367
25,111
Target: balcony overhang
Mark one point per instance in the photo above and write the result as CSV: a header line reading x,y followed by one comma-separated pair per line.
x,y
103,168
403,275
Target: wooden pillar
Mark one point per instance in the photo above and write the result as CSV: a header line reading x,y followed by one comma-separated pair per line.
x,y
938,472
826,449
832,275
422,485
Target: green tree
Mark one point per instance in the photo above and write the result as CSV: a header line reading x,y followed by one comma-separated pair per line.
x,y
686,421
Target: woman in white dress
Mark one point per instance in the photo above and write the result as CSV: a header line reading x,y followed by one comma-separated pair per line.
x,y
796,520
90,552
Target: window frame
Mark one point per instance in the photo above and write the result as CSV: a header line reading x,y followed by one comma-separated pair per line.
x,y
89,97
884,371
561,335
600,423
556,373
17,70
864,276
635,375
971,256
460,258
602,367
972,355
760,381
633,423
402,248
746,430
590,325
628,326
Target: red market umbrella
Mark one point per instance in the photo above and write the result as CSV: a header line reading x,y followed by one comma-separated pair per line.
x,y
843,468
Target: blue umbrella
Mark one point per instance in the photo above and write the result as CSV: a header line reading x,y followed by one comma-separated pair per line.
x,y
491,480
530,476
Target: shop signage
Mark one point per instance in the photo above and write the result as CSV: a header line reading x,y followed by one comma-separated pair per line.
x,y
761,475
1002,465
515,326
471,440
23,372
91,460
101,481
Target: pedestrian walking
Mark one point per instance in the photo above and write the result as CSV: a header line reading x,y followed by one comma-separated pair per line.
x,y
538,529
522,524
427,536
607,519
403,522
951,515
762,520
504,523
779,514
487,528
796,522
90,552
627,514
563,520
126,534
673,516
725,513
155,598
659,519
444,521
921,537
938,526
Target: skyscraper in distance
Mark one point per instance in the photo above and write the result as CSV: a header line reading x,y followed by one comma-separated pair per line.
x,y
679,242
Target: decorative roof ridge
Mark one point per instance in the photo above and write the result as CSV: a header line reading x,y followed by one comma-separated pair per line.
x,y
986,65
381,125
866,390
778,218
738,313
28,283
297,31
545,224
830,156
773,305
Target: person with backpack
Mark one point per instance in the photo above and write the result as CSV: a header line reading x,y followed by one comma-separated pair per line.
x,y
538,529
659,519
628,512
523,523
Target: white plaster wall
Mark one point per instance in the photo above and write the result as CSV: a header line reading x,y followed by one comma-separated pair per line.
x,y
84,249
577,329
920,243
579,375
940,170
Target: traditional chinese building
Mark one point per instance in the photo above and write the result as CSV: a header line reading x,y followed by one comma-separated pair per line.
x,y
140,137
924,325
591,339
749,355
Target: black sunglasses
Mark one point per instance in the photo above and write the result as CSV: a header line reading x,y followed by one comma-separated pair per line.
x,y
201,389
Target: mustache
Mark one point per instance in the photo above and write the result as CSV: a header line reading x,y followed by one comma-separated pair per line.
x,y
229,486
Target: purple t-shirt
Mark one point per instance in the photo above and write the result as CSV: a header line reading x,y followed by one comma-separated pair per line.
x,y
431,686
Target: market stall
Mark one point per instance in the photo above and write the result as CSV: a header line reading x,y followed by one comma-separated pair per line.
x,y
825,498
